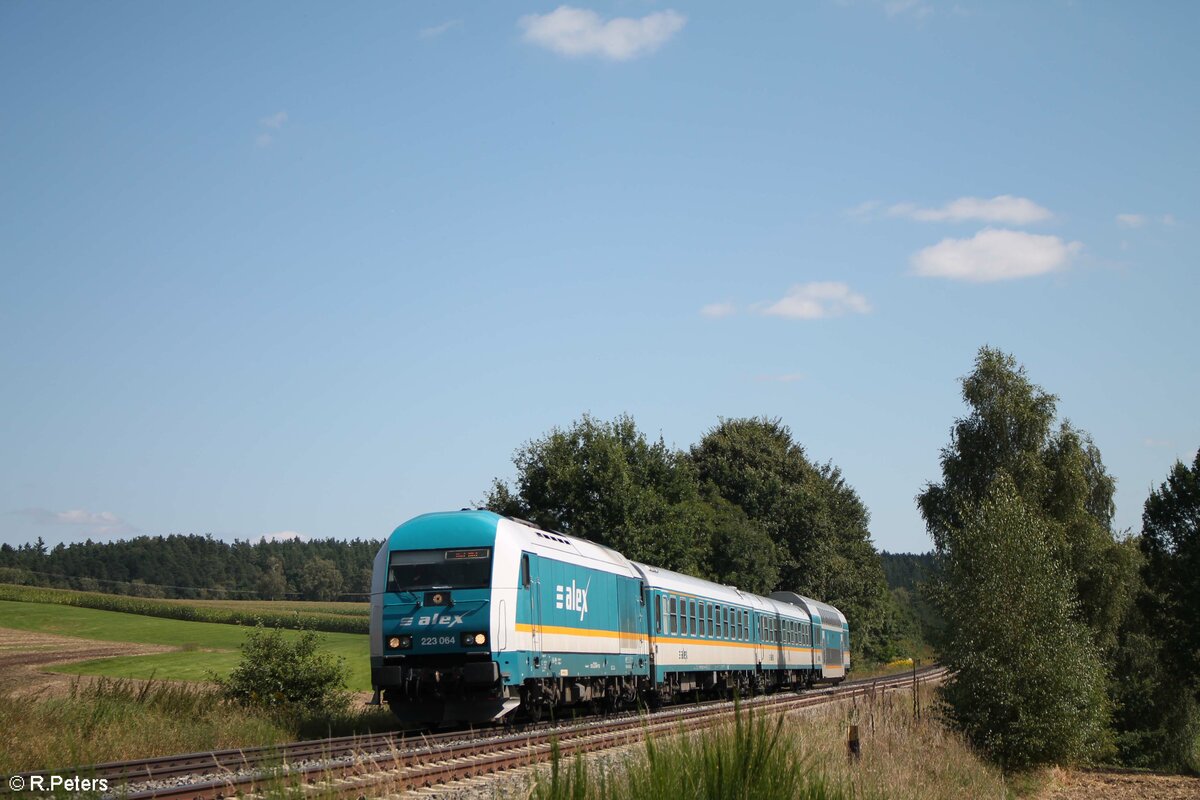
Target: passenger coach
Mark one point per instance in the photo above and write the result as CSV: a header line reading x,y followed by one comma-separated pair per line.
x,y
474,615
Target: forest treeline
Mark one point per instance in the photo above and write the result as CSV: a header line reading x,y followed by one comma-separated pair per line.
x,y
198,567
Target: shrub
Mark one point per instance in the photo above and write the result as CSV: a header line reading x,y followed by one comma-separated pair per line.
x,y
296,678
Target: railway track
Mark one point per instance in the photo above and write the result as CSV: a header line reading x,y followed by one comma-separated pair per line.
x,y
358,766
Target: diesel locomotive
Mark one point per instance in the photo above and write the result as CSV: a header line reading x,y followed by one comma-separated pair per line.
x,y
475,616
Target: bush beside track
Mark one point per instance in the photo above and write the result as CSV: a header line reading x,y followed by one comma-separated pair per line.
x,y
330,622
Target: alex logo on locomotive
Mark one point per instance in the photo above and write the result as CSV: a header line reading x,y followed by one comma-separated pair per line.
x,y
448,620
572,598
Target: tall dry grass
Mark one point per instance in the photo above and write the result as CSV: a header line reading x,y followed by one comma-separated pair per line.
x,y
110,719
801,756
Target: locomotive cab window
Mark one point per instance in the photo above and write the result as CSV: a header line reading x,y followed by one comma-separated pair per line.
x,y
461,568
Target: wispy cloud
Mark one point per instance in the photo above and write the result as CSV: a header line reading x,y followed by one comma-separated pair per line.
x,y
284,536
916,8
1142,220
1004,208
717,310
437,30
994,255
863,210
88,523
581,32
273,122
789,377
817,300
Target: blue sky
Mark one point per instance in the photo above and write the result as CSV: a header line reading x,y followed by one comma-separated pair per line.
x,y
271,267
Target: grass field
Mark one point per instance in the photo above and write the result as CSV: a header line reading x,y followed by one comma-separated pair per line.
x,y
204,646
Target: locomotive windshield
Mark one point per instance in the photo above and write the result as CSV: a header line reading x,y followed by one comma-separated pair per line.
x,y
411,570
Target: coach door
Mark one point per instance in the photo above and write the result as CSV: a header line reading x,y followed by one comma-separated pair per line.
x,y
631,619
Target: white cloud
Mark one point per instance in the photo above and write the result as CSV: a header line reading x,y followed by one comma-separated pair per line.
x,y
1157,442
581,32
818,301
1168,219
283,536
438,30
863,210
1003,208
917,8
1131,220
90,523
789,377
273,122
994,255
717,310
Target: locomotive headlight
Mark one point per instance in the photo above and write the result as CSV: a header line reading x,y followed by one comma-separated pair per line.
x,y
473,639
480,638
394,642
400,642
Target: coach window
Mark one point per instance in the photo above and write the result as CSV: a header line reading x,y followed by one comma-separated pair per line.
x,y
692,617
672,620
658,613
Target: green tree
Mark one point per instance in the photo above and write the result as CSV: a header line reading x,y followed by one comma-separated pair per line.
x,y
1170,719
1057,472
1057,498
817,521
605,481
1028,686
273,583
742,553
320,580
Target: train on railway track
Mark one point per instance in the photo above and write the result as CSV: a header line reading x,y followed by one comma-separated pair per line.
x,y
476,617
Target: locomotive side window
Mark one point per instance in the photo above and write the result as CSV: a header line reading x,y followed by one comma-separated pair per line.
x,y
525,578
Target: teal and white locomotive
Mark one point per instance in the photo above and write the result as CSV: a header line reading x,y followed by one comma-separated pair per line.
x,y
475,615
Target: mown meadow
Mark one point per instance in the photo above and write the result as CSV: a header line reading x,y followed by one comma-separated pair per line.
x,y
204,648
